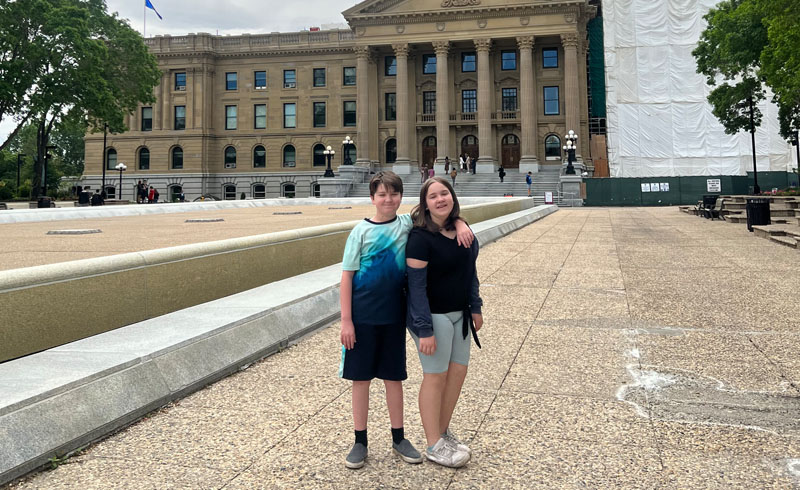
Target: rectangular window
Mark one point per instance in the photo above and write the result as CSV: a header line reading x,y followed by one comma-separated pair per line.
x,y
319,77
319,114
509,99
349,113
180,81
390,68
260,114
509,60
349,75
429,102
180,117
231,81
147,118
429,64
230,117
260,78
551,100
289,115
469,101
550,58
391,106
469,62
289,79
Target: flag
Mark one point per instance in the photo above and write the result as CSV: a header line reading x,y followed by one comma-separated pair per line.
x,y
150,6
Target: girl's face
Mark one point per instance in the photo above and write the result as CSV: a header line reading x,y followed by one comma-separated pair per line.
x,y
439,202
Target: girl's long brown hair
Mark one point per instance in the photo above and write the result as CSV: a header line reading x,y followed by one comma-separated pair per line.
x,y
420,214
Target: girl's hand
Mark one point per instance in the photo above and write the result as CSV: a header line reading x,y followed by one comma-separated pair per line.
x,y
477,319
427,345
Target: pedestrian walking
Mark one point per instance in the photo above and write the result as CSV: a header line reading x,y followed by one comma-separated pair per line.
x,y
453,175
446,164
423,173
502,173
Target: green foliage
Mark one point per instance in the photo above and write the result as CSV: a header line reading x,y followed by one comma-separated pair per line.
x,y
5,192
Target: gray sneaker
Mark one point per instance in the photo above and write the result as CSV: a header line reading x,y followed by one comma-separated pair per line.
x,y
446,454
452,439
407,451
356,457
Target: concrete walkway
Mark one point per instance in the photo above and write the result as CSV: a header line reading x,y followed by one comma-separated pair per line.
x,y
624,347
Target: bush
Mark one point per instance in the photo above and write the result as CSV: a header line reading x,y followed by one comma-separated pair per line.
x,y
24,192
242,197
5,193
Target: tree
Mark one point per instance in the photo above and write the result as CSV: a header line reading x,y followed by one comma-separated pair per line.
x,y
69,60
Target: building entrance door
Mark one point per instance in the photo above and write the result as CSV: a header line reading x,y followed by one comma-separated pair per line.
x,y
510,151
469,145
428,151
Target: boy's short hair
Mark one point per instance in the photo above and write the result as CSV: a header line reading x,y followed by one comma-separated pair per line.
x,y
389,179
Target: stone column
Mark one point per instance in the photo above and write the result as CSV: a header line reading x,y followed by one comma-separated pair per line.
x,y
486,159
165,112
527,100
571,92
362,106
442,48
402,164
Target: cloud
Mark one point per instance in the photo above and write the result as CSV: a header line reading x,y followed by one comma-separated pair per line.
x,y
231,16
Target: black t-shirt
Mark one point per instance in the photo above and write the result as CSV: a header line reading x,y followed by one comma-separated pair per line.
x,y
449,269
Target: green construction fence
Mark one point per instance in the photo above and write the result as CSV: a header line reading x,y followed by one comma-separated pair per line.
x,y
672,191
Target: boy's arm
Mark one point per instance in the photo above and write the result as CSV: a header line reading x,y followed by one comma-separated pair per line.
x,y
347,332
464,234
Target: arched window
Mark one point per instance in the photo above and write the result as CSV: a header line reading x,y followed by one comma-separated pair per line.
x,y
429,141
287,190
144,159
259,191
111,191
230,157
315,189
289,156
349,154
175,192
229,192
259,157
552,147
111,158
319,156
177,158
391,150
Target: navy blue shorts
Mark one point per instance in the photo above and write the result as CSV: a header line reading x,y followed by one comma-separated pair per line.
x,y
379,352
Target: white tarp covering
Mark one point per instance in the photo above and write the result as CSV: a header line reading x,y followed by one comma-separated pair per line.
x,y
659,121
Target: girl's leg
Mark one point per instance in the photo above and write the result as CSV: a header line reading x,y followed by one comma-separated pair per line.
x,y
452,390
394,401
430,404
360,404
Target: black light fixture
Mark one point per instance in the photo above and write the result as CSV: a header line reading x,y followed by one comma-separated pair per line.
x,y
570,148
329,156
346,144
121,167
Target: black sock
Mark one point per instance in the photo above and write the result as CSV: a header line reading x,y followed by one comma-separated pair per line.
x,y
361,436
397,435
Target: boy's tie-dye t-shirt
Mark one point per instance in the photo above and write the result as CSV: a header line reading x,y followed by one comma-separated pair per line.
x,y
377,254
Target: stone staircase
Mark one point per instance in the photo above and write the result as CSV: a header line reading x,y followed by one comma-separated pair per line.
x,y
782,210
483,185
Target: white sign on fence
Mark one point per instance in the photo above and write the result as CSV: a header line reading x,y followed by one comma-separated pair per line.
x,y
548,198
714,185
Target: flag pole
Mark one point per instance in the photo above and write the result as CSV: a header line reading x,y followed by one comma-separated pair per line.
x,y
144,15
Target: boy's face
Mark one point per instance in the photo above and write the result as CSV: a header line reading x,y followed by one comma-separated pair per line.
x,y
386,200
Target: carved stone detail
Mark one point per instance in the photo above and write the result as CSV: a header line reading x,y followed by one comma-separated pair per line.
x,y
459,3
362,52
440,26
570,18
525,42
483,45
401,29
400,50
482,23
441,47
524,20
569,40
360,31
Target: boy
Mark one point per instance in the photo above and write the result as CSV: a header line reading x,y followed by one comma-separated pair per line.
x,y
529,181
373,333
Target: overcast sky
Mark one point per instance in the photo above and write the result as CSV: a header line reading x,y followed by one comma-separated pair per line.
x,y
181,17
230,16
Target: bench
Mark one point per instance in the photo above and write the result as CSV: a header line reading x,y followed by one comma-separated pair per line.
x,y
715,211
3,205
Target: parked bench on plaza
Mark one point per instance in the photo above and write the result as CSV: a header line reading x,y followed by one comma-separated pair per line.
x,y
3,205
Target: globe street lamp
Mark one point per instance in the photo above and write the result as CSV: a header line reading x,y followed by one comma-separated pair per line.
x,y
346,143
121,167
570,148
329,155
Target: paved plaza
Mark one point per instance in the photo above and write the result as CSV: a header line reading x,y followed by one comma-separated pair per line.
x,y
622,348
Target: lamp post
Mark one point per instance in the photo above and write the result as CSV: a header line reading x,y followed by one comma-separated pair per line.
x,y
328,152
105,157
47,156
19,164
121,167
570,148
346,144
795,143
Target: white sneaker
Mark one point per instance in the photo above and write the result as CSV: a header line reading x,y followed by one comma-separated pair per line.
x,y
452,439
446,454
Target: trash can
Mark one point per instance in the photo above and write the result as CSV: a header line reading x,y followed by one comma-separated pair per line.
x,y
710,200
757,212
43,202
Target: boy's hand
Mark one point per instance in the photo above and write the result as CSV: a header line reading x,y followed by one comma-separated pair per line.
x,y
427,345
348,334
463,234
477,319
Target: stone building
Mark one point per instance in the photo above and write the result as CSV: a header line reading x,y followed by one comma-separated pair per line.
x,y
411,82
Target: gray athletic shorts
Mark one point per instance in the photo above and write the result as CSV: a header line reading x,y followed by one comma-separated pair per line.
x,y
451,346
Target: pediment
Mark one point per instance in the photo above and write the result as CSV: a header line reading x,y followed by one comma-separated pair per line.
x,y
370,8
